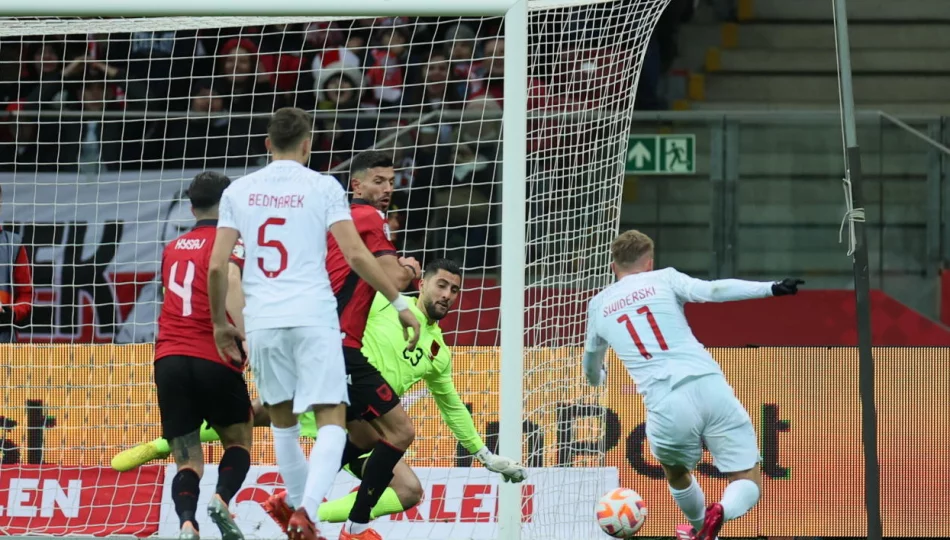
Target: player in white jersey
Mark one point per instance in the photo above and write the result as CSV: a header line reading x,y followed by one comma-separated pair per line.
x,y
283,213
687,398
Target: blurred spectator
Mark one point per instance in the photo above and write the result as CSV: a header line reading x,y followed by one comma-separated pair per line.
x,y
660,54
208,138
166,60
246,84
325,35
463,203
466,73
282,57
338,82
16,285
338,79
430,92
493,86
43,61
92,139
386,65
18,149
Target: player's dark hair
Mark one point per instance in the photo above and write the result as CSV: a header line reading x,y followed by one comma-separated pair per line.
x,y
206,189
370,159
287,127
448,265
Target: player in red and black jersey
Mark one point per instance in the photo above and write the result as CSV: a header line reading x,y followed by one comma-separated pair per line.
x,y
371,397
194,382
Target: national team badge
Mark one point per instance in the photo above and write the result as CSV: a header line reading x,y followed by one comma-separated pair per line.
x,y
385,393
238,251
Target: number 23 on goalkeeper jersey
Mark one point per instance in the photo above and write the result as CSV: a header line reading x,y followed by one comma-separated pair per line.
x,y
385,348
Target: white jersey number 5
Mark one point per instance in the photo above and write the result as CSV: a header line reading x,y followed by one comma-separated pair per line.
x,y
275,244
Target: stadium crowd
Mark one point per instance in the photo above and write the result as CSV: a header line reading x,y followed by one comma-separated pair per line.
x,y
427,88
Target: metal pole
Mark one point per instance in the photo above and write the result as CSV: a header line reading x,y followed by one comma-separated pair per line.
x,y
513,193
862,286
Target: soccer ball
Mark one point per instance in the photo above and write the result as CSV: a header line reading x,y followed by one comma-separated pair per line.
x,y
621,512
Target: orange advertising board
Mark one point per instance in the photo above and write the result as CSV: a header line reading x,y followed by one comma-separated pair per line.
x,y
80,404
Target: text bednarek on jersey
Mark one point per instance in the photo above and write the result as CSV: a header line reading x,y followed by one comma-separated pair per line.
x,y
273,201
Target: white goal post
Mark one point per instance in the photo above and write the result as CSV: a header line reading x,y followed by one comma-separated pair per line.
x,y
600,219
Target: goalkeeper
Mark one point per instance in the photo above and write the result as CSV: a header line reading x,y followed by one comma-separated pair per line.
x,y
384,346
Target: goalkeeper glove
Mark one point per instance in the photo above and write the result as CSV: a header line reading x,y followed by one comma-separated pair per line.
x,y
510,470
786,286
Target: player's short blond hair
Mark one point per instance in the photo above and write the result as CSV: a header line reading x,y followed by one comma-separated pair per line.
x,y
630,247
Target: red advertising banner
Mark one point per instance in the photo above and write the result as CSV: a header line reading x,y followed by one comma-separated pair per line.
x,y
55,500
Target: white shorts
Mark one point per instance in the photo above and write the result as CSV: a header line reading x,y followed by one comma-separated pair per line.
x,y
703,409
303,364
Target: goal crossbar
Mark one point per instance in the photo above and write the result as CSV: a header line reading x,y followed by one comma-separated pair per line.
x,y
254,8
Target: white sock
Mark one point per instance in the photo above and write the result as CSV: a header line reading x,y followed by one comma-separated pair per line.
x,y
356,528
692,501
291,462
325,460
738,498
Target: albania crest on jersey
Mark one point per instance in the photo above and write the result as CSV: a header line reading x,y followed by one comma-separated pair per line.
x,y
434,350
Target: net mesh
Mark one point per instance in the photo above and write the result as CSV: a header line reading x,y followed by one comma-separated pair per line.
x,y
107,122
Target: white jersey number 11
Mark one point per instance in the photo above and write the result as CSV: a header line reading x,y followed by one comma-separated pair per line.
x,y
645,310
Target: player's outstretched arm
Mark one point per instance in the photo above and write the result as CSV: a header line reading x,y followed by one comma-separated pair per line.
x,y
690,289
365,265
456,415
218,267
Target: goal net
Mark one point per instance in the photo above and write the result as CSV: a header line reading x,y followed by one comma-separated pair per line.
x,y
108,120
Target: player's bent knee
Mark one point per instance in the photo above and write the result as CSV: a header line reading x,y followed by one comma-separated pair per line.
x,y
282,414
677,476
261,414
236,435
407,485
327,415
754,474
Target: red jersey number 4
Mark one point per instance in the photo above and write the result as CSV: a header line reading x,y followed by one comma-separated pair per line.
x,y
274,244
645,310
182,290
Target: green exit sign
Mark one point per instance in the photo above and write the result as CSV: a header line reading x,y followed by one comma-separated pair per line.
x,y
661,154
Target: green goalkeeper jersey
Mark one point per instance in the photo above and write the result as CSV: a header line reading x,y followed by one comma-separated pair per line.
x,y
431,361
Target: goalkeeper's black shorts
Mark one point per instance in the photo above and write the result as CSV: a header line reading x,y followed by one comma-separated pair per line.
x,y
192,390
370,394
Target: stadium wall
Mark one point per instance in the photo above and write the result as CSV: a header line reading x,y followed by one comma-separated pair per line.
x,y
67,409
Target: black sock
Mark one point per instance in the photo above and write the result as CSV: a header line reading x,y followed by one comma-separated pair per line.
x,y
377,475
185,495
232,471
352,456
